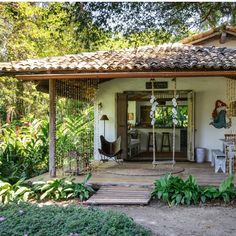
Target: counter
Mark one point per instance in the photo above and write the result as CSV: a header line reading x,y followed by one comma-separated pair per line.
x,y
144,137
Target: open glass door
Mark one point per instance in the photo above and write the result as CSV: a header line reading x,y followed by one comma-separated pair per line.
x,y
191,128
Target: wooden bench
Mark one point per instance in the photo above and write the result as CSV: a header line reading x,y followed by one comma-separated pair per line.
x,y
219,160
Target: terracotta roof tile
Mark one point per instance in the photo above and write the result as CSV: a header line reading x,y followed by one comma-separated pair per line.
x,y
155,58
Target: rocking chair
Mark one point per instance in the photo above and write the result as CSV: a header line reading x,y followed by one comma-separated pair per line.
x,y
110,150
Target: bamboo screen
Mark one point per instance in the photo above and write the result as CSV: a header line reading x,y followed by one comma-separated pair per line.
x,y
231,96
75,124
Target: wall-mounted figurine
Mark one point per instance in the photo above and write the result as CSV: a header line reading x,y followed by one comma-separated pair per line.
x,y
219,116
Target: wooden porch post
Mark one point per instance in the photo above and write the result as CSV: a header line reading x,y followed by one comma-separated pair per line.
x,y
52,128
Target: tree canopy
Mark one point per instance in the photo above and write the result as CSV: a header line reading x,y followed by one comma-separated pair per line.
x,y
174,17
50,29
142,23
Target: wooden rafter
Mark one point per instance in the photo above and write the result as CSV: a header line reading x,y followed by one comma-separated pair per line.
x,y
120,75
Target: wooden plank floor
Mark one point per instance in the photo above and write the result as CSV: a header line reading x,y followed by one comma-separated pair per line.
x,y
125,195
204,173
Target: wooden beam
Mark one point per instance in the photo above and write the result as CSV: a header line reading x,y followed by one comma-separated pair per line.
x,y
114,75
52,128
230,32
206,37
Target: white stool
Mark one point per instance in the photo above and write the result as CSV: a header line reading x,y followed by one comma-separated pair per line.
x,y
213,156
220,161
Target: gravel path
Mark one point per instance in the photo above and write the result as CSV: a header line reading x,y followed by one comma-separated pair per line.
x,y
183,221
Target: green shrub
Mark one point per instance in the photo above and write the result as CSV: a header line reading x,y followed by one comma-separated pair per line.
x,y
23,150
227,190
57,189
24,143
60,189
174,190
209,193
64,221
14,193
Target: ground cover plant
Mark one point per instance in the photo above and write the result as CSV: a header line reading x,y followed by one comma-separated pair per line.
x,y
175,191
57,189
26,219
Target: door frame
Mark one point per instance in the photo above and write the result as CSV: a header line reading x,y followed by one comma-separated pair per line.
x,y
121,122
190,129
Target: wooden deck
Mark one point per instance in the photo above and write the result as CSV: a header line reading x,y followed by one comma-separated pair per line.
x,y
132,195
107,174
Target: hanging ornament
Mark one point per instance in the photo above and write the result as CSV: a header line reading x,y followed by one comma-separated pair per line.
x,y
154,106
174,110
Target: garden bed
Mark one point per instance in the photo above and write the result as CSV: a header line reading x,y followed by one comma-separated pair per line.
x,y
27,219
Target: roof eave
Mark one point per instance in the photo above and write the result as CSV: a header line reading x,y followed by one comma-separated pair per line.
x,y
117,75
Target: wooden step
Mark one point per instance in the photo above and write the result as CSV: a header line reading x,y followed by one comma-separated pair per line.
x,y
123,195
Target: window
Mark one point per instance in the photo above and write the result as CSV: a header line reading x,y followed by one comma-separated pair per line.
x,y
164,116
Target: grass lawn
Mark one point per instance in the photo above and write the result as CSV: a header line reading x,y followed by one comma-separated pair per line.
x,y
28,219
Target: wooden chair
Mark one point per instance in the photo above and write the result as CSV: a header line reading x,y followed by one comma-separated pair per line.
x,y
110,150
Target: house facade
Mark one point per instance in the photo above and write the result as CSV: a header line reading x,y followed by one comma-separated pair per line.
x,y
205,91
200,75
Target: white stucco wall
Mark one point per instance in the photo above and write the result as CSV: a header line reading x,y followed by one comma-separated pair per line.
x,y
207,91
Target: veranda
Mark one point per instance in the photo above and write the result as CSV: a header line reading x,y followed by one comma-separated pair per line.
x,y
79,75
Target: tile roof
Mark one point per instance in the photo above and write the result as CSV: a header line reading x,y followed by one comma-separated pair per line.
x,y
167,57
208,34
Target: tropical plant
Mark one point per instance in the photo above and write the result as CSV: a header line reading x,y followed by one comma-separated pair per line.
x,y
227,190
81,190
24,143
60,189
174,190
74,129
164,116
23,150
14,193
209,193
